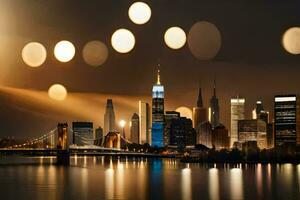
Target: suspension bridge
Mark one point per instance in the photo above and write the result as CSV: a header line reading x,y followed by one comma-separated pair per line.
x,y
59,140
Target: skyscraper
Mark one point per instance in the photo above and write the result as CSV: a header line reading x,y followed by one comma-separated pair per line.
x,y
254,130
83,133
109,117
204,134
182,132
260,113
220,139
237,113
134,129
157,113
286,120
199,112
169,117
144,122
214,109
98,137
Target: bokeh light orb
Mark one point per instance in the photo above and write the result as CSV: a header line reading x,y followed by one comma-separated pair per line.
x,y
34,54
139,13
95,53
185,112
122,40
204,40
64,51
57,92
175,38
291,40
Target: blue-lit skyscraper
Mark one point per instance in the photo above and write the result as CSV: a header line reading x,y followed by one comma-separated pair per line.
x,y
158,113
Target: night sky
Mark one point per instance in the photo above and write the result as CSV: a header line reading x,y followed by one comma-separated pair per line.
x,y
251,61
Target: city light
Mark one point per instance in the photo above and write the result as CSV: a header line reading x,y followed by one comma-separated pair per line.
x,y
284,99
64,51
123,40
122,123
34,54
175,38
57,92
108,124
139,13
95,53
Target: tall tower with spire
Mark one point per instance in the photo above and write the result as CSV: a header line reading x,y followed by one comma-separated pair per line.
x,y
200,113
109,117
214,108
158,113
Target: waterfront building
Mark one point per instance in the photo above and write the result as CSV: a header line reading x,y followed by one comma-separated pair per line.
x,y
237,113
204,134
83,133
260,113
270,135
286,120
169,116
220,138
157,133
134,129
144,122
199,112
98,136
109,117
182,132
253,130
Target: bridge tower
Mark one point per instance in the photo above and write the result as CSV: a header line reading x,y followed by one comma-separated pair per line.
x,y
62,136
63,154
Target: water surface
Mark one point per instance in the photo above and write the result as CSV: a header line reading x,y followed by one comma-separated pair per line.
x,y
112,178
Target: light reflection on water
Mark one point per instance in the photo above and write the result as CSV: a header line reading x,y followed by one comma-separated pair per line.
x,y
128,178
213,180
236,183
186,184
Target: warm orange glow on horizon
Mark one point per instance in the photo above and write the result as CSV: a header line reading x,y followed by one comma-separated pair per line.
x,y
38,102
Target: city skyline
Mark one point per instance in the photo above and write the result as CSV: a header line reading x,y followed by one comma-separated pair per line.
x,y
151,99
240,60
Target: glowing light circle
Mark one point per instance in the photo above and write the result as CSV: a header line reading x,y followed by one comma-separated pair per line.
x,y
122,41
139,13
175,38
64,51
57,92
95,53
291,40
185,112
34,54
204,40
